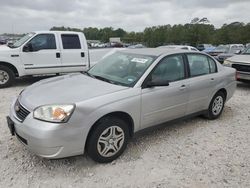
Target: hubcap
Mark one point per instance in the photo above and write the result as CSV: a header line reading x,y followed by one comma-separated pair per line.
x,y
217,105
4,77
110,141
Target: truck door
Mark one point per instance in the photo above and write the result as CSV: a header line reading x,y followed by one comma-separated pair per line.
x,y
40,55
73,53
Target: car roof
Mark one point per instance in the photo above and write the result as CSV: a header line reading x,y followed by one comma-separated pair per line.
x,y
157,51
60,32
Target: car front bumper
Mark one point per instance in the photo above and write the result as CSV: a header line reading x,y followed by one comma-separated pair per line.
x,y
48,140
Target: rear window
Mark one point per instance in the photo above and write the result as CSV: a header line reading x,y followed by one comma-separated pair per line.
x,y
70,41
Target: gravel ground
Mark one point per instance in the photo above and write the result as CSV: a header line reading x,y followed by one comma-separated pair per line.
x,y
192,153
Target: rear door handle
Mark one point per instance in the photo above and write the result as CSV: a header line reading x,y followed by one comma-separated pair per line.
x,y
58,55
183,87
82,54
212,79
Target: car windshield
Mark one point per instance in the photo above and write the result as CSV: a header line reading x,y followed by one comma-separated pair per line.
x,y
121,68
22,40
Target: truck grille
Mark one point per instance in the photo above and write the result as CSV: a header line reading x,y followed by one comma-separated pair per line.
x,y
243,68
21,112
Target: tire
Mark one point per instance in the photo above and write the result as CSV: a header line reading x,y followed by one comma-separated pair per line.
x,y
216,106
7,77
108,139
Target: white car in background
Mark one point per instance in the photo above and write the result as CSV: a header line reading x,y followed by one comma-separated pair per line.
x,y
179,47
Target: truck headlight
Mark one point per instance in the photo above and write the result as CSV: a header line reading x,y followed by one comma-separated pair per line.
x,y
54,113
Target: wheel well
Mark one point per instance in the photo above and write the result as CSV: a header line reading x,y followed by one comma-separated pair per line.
x,y
122,115
11,67
224,91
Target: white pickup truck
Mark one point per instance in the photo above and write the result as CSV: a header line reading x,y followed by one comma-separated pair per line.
x,y
46,52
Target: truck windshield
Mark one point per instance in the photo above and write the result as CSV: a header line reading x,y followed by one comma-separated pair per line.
x,y
22,40
121,68
247,51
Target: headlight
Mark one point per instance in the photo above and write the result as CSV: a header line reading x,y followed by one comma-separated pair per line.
x,y
227,62
54,113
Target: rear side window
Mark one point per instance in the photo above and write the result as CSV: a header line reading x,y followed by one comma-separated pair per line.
x,y
198,65
70,41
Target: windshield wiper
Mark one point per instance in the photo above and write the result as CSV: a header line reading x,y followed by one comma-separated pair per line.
x,y
88,74
103,79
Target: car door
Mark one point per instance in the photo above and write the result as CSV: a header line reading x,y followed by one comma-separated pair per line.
x,y
73,54
202,81
160,104
39,55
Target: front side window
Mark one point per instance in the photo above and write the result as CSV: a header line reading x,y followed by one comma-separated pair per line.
x,y
43,42
198,65
170,69
121,68
70,41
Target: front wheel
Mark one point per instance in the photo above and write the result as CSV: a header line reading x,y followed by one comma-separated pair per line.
x,y
6,77
108,140
216,105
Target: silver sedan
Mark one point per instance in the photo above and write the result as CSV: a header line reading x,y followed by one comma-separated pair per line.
x,y
99,110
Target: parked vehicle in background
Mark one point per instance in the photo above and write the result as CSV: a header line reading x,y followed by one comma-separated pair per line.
x,y
45,52
137,46
98,111
242,64
205,47
231,51
218,50
179,47
222,49
3,40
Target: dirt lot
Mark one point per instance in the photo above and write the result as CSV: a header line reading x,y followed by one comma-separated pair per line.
x,y
193,153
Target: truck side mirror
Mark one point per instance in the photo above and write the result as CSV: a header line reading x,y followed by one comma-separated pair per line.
x,y
28,47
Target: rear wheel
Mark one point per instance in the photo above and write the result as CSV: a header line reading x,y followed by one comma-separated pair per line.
x,y
108,140
6,77
216,106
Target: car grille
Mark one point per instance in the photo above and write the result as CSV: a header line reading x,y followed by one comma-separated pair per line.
x,y
21,112
243,68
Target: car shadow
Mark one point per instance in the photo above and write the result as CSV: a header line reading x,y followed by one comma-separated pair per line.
x,y
243,85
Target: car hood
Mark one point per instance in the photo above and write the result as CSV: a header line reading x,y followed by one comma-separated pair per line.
x,y
67,89
240,59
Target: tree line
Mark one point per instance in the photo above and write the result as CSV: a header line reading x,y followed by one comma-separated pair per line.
x,y
191,34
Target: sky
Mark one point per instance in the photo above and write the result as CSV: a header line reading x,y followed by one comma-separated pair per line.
x,y
22,16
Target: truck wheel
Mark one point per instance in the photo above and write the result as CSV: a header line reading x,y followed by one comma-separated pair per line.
x,y
6,77
216,106
108,140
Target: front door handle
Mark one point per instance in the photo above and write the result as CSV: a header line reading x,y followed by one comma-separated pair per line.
x,y
58,55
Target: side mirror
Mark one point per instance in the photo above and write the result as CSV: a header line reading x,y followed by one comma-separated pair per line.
x,y
157,83
28,48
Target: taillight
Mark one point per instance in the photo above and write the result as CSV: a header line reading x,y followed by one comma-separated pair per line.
x,y
236,75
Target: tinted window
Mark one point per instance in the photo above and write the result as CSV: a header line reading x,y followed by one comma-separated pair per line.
x,y
71,41
198,65
170,69
43,41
